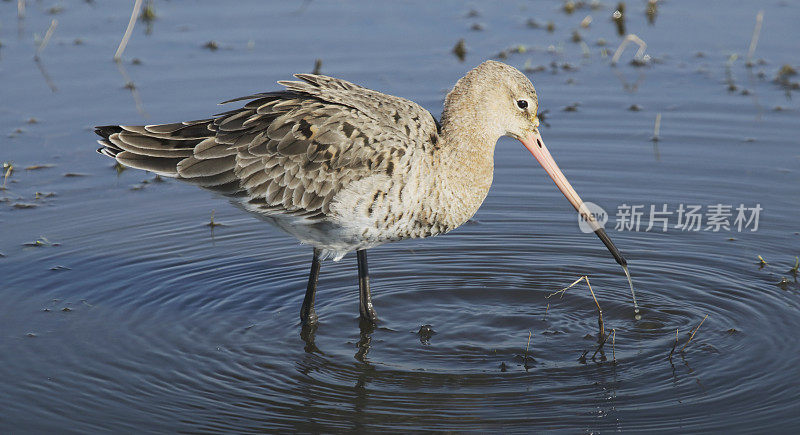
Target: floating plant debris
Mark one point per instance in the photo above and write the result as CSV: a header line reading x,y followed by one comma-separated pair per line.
x,y
41,242
460,49
527,346
425,333
761,261
42,166
212,223
619,18
693,333
148,12
652,11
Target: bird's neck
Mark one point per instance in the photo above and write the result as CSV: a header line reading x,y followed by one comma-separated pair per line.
x,y
464,163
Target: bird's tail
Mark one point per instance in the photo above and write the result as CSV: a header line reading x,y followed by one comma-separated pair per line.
x,y
185,150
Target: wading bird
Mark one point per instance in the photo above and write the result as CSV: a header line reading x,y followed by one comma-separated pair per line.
x,y
344,168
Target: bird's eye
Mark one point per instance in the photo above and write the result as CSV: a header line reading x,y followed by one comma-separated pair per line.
x,y
522,104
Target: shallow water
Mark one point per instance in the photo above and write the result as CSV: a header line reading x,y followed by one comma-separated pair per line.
x,y
153,320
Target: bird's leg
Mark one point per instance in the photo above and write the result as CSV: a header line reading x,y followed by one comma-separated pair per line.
x,y
308,316
364,295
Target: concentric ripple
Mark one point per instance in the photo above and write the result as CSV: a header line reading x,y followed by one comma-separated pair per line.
x,y
123,310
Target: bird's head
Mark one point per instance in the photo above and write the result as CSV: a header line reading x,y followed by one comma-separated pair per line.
x,y
506,102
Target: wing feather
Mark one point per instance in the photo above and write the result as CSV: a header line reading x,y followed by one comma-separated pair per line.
x,y
291,151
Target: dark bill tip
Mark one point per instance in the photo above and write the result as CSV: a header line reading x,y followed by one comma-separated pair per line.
x,y
611,248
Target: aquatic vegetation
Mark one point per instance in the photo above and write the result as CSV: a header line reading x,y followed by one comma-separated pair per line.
x,y
41,242
460,49
137,6
657,128
754,39
41,166
600,322
652,11
212,223
693,333
527,346
42,43
796,266
148,13
8,169
618,16
675,344
639,59
783,78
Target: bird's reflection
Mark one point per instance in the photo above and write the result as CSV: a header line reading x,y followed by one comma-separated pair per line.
x,y
308,335
656,153
137,100
46,76
628,86
366,329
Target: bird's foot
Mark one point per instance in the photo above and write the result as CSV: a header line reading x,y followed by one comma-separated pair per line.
x,y
368,314
308,317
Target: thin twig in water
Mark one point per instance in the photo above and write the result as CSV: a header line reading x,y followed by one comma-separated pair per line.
x,y
134,92
628,39
793,270
614,346
212,223
46,39
545,312
599,310
525,360
694,332
9,168
729,73
47,78
674,344
754,40
600,347
657,128
565,289
134,15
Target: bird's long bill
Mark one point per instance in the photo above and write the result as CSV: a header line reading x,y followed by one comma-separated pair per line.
x,y
535,145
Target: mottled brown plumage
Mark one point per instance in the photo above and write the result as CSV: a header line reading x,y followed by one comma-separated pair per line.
x,y
339,166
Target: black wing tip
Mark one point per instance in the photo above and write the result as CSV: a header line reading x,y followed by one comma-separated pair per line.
x,y
105,131
108,151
